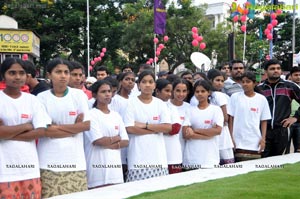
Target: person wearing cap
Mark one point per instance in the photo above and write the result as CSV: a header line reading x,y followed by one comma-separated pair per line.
x,y
295,128
279,94
162,74
90,81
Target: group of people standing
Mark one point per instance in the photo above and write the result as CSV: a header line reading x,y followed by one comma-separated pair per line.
x,y
69,138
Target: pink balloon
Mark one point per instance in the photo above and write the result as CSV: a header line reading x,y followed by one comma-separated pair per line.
x,y
195,43
243,18
274,22
202,46
151,60
166,38
156,59
148,62
273,16
104,50
195,35
95,59
155,40
25,57
200,38
195,30
102,54
161,46
245,11
92,63
267,31
270,26
279,12
157,52
235,18
90,67
270,36
243,28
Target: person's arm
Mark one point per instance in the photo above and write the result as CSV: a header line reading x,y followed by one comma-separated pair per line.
x,y
140,128
8,132
75,128
119,145
210,132
31,135
107,141
224,110
230,127
189,133
262,142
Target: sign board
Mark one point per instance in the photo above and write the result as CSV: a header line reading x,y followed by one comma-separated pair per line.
x,y
19,41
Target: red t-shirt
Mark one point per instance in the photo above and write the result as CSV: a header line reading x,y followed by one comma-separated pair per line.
x,y
24,88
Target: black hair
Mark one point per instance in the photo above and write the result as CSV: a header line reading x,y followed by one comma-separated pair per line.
x,y
236,61
30,68
76,65
114,82
127,66
213,73
54,62
186,73
145,73
172,77
161,84
8,62
189,87
203,75
95,87
145,66
250,75
206,85
294,69
267,63
121,76
102,68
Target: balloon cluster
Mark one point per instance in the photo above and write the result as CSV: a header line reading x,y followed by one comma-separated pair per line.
x,y
197,39
268,31
240,13
97,59
158,50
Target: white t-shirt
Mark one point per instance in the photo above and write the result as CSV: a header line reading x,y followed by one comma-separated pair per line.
x,y
182,111
203,153
247,113
172,142
221,99
63,154
19,159
104,166
146,151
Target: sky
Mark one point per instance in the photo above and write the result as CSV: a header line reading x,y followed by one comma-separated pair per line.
x,y
287,2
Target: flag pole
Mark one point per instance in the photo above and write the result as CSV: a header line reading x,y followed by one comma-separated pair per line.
x,y
88,35
155,64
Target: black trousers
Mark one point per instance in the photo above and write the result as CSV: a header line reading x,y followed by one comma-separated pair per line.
x,y
295,136
276,142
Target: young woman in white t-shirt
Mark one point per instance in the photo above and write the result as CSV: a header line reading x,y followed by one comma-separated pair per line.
x,y
61,157
104,140
146,120
221,99
201,129
179,95
163,91
22,119
249,112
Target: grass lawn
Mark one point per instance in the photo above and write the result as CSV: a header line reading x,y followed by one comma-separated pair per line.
x,y
272,183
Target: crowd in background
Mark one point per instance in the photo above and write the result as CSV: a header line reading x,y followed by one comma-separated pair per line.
x,y
74,133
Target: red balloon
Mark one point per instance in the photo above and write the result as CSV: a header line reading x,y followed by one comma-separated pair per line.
x,y
202,46
243,18
195,30
195,35
279,12
155,40
25,57
270,36
166,38
200,38
102,54
245,11
243,28
104,50
273,16
92,63
195,43
270,26
235,18
267,31
274,22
